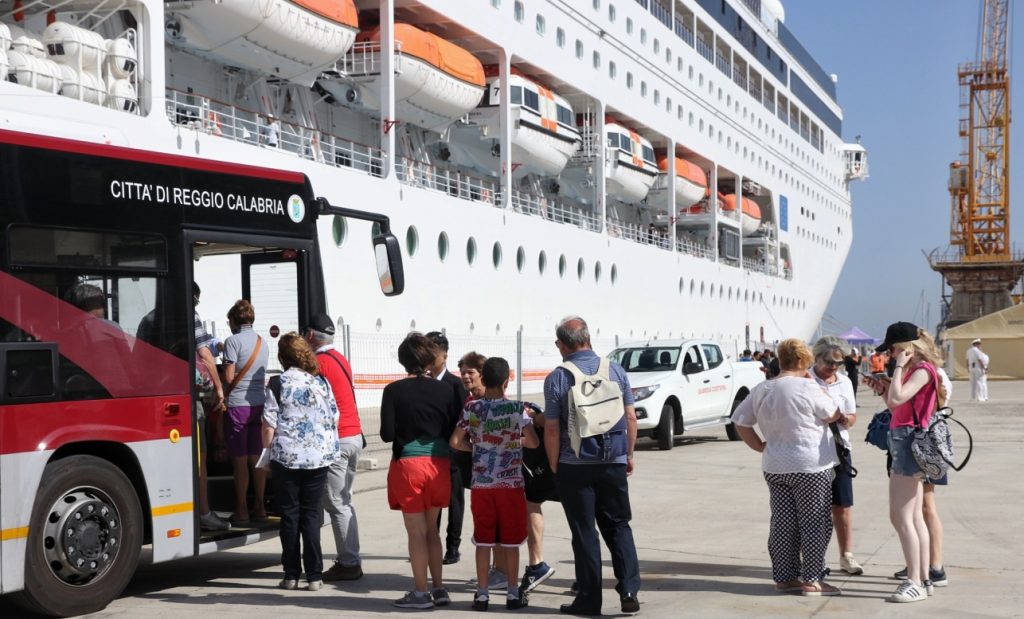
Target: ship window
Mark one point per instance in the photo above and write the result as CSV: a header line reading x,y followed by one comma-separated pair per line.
x,y
611,69
580,269
648,154
520,259
611,13
579,49
471,251
496,254
629,80
542,25
531,100
615,274
629,26
412,241
442,246
564,115
657,46
643,88
626,143
657,97
597,60
643,36
597,5
560,37
561,265
597,272
517,95
613,140
496,3
542,262
668,55
520,12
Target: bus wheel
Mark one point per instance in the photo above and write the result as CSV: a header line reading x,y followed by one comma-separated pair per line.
x,y
84,538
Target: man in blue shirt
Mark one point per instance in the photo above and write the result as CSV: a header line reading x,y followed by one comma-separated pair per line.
x,y
592,490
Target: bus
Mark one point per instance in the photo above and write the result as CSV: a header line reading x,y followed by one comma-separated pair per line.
x,y
98,420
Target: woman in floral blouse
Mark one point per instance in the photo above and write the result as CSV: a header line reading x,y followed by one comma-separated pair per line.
x,y
300,428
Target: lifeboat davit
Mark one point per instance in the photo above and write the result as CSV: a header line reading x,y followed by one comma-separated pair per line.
x,y
751,211
436,81
631,168
544,135
691,182
291,39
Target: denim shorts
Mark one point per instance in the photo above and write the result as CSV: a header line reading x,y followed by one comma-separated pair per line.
x,y
903,462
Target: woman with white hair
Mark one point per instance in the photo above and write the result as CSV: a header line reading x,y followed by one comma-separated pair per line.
x,y
828,357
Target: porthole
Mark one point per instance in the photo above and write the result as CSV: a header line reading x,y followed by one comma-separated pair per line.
x,y
680,285
412,325
597,60
561,265
611,69
442,246
702,289
496,254
380,324
615,274
560,37
520,259
541,25
412,241
542,262
520,11
472,327
597,272
692,286
580,269
339,230
471,251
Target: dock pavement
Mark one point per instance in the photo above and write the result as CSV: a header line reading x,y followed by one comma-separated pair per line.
x,y
700,519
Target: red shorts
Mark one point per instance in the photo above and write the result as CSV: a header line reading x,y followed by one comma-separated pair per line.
x,y
499,516
418,484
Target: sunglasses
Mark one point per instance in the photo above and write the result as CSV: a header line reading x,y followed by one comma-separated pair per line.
x,y
832,362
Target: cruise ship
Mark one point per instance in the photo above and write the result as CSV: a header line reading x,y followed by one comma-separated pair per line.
x,y
665,168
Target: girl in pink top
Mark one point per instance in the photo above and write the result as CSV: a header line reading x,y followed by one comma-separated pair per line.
x,y
915,391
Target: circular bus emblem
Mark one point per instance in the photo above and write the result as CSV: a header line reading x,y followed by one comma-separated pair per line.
x,y
296,209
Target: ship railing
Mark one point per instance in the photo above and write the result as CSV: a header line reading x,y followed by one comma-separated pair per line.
x,y
794,123
739,78
705,50
754,90
224,120
684,32
769,101
759,265
637,233
695,248
661,13
452,182
783,114
722,63
552,210
364,58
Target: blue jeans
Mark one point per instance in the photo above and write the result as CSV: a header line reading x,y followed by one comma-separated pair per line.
x,y
300,495
599,493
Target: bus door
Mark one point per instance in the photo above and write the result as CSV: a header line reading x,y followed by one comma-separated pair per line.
x,y
276,275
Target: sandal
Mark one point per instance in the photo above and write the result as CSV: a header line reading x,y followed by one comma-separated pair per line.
x,y
819,589
789,586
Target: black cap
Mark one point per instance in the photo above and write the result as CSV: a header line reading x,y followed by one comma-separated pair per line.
x,y
322,323
897,333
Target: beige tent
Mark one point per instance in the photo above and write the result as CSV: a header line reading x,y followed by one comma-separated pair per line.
x,y
1002,339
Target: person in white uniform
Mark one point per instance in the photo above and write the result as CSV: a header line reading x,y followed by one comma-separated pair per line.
x,y
977,365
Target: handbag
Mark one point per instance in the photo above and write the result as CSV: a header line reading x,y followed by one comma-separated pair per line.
x,y
845,465
932,447
878,430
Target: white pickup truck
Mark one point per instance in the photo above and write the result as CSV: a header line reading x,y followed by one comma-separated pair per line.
x,y
683,385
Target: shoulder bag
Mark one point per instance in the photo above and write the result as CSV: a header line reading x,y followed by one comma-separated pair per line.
x,y
245,369
933,446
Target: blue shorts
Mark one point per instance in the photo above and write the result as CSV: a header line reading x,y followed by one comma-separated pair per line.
x,y
903,462
842,488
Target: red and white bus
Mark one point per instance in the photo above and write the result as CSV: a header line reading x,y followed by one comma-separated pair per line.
x,y
97,457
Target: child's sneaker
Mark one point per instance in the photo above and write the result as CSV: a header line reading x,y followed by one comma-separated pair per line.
x,y
850,565
496,579
534,575
938,576
441,597
481,601
909,591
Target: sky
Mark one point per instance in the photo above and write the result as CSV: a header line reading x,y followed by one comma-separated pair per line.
x,y
897,62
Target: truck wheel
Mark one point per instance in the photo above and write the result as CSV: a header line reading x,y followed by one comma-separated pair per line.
x,y
730,428
667,428
84,538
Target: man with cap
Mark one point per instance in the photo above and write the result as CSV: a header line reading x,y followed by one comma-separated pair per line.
x,y
977,365
338,498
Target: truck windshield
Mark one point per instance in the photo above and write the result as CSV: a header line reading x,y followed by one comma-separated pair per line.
x,y
646,359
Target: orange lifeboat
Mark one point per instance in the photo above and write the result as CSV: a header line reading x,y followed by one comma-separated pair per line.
x,y
691,182
751,210
436,81
292,39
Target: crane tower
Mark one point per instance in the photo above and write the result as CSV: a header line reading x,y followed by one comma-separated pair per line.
x,y
982,269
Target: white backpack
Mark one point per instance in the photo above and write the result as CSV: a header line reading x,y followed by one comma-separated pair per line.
x,y
595,404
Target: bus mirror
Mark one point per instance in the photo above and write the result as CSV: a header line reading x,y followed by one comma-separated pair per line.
x,y
388,254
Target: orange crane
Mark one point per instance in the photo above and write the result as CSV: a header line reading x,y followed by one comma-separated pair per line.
x,y
982,269
980,182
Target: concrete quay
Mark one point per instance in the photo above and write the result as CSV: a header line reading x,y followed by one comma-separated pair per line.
x,y
701,527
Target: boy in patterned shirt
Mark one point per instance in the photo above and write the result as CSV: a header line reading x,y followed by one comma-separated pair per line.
x,y
495,430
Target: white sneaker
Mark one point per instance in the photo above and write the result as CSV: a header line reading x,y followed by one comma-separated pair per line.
x,y
909,591
850,565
